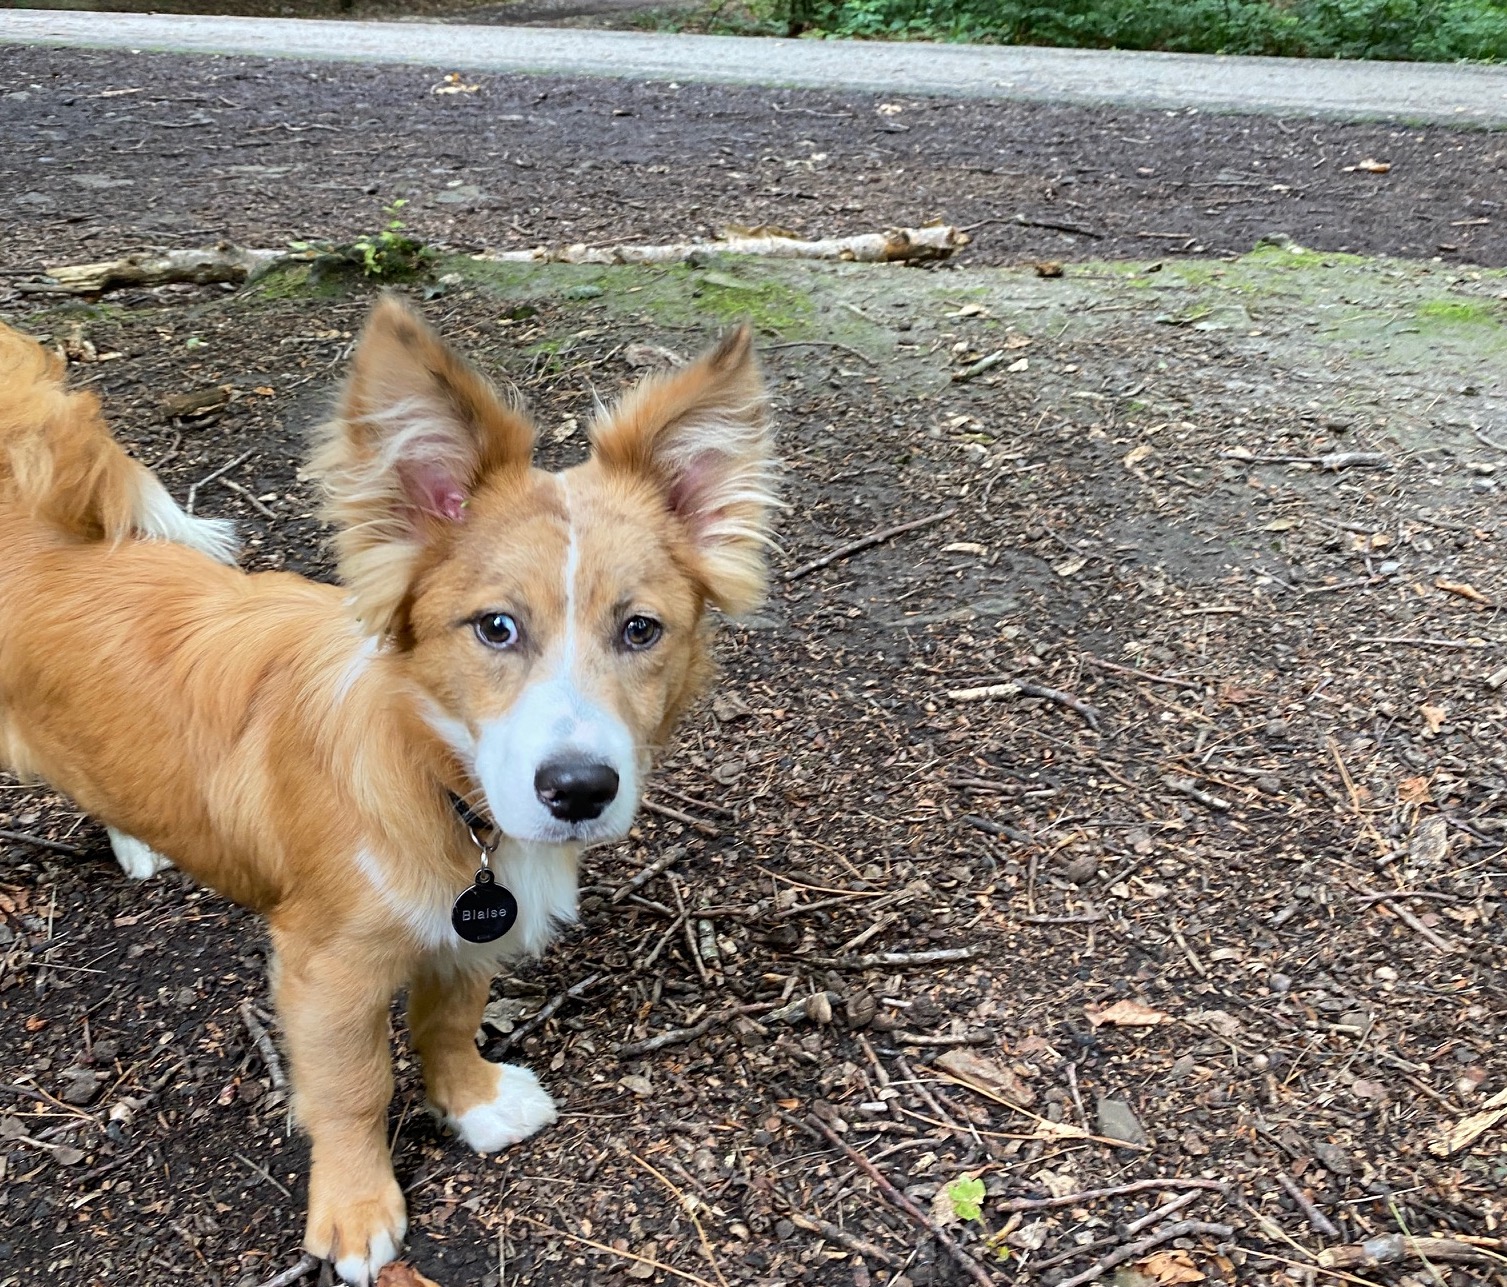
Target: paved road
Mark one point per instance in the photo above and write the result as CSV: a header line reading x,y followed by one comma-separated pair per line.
x,y
1414,92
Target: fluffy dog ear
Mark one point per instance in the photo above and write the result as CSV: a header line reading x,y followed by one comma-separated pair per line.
x,y
701,436
416,431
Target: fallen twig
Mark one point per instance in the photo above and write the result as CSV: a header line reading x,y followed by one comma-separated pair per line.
x,y
547,1011
1162,1212
1136,673
1184,786
263,1042
38,842
1025,688
839,1235
672,1036
1331,463
1417,926
193,491
614,1251
245,494
1393,1248
1317,1220
966,1262
699,825
1421,641
1057,226
873,960
864,542
306,1265
1116,1191
1181,1229
1490,442
667,859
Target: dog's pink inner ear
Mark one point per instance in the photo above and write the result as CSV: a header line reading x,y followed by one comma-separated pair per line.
x,y
693,487
434,491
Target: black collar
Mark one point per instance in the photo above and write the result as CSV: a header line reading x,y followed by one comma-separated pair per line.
x,y
468,815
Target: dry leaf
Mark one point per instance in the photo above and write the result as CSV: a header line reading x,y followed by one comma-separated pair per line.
x,y
1135,455
1451,1139
1020,364
1048,268
986,1075
1374,167
966,547
1433,716
1282,525
1464,589
1015,340
1070,567
641,1268
1414,791
1169,1267
1125,1014
398,1274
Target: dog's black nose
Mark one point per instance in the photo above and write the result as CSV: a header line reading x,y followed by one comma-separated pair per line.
x,y
576,790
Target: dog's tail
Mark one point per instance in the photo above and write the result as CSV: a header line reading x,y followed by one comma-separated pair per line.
x,y
60,466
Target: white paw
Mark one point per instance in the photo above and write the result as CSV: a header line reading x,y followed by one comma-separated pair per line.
x,y
138,861
518,1109
362,1271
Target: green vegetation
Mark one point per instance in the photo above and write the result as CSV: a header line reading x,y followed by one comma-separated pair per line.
x,y
1424,30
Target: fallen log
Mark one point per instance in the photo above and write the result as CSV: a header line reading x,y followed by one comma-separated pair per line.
x,y
228,262
898,245
205,265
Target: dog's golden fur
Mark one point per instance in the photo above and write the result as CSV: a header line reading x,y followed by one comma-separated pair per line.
x,y
295,745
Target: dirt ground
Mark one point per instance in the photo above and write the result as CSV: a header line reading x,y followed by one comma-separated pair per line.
x,y
1219,908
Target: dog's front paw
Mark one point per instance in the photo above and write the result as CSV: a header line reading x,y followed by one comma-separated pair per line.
x,y
359,1234
519,1107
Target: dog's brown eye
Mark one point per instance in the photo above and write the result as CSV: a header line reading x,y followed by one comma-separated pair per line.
x,y
641,632
497,630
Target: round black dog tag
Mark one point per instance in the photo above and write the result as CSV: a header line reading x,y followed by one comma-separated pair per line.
x,y
484,912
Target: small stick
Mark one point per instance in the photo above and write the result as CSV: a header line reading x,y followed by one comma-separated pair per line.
x,y
37,842
966,1262
923,1092
547,1011
1162,1212
1181,1229
1391,1248
1416,925
1495,446
864,542
265,1174
1317,1220
1137,673
700,825
673,1037
667,859
193,491
1421,641
928,1039
696,803
823,344
306,1265
1091,715
978,368
1058,227
263,1043
1184,786
245,494
689,1206
625,1255
839,1235
1118,1190
876,959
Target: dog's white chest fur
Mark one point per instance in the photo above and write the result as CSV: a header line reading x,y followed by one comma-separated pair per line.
x,y
542,877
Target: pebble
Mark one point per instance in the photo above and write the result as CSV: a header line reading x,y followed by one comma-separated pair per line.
x,y
1117,1121
1082,869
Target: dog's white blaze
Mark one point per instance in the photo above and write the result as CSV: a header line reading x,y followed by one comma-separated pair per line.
x,y
359,664
552,719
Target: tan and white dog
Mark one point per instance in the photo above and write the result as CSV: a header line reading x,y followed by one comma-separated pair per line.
x,y
517,639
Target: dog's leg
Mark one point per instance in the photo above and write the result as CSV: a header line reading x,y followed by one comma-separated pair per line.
x,y
488,1105
333,1002
137,860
